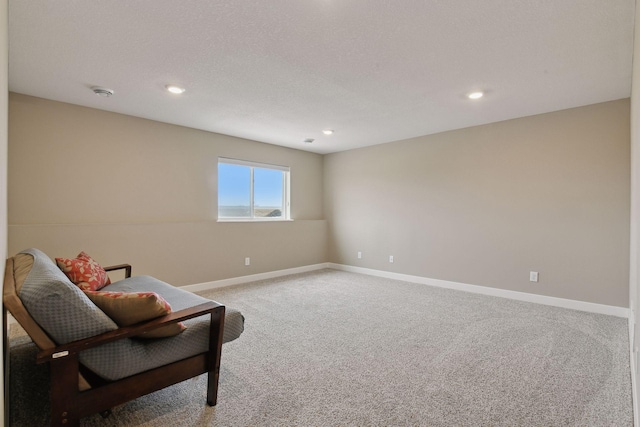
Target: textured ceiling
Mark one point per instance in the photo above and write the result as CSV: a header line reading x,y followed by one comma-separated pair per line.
x,y
280,71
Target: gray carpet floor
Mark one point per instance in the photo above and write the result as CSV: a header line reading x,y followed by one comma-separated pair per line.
x,y
331,348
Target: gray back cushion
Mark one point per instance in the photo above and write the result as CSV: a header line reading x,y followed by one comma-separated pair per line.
x,y
59,306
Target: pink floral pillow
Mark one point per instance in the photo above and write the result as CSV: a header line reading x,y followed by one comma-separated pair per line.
x,y
84,272
129,308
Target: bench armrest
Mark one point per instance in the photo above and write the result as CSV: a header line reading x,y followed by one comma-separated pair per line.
x,y
126,267
127,331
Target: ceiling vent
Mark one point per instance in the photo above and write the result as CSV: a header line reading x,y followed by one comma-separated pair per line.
x,y
102,91
309,140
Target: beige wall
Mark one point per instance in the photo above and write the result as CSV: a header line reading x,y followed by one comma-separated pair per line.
x,y
126,189
486,205
482,205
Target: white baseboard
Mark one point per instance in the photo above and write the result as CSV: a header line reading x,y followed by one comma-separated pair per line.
x,y
634,368
252,278
502,293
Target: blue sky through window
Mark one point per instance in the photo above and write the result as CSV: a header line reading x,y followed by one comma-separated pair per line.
x,y
267,188
234,186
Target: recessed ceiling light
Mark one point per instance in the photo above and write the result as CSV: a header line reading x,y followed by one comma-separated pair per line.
x,y
175,89
309,140
102,91
328,131
475,95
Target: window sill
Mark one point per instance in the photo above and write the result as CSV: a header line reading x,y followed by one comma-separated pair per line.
x,y
254,220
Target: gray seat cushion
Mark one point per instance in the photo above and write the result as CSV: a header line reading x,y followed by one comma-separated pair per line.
x,y
66,314
180,299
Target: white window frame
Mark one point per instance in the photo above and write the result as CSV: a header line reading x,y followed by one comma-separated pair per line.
x,y
286,194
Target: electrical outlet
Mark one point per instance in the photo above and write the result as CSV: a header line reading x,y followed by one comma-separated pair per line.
x,y
359,255
391,258
533,276
247,261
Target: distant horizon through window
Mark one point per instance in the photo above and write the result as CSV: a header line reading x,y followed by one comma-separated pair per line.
x,y
250,191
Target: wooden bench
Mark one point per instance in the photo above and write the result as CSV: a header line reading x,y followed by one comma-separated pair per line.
x,y
76,392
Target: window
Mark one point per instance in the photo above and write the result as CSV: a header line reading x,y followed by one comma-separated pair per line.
x,y
252,191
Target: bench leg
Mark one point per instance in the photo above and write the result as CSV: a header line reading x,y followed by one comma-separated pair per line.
x,y
215,351
212,388
64,389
